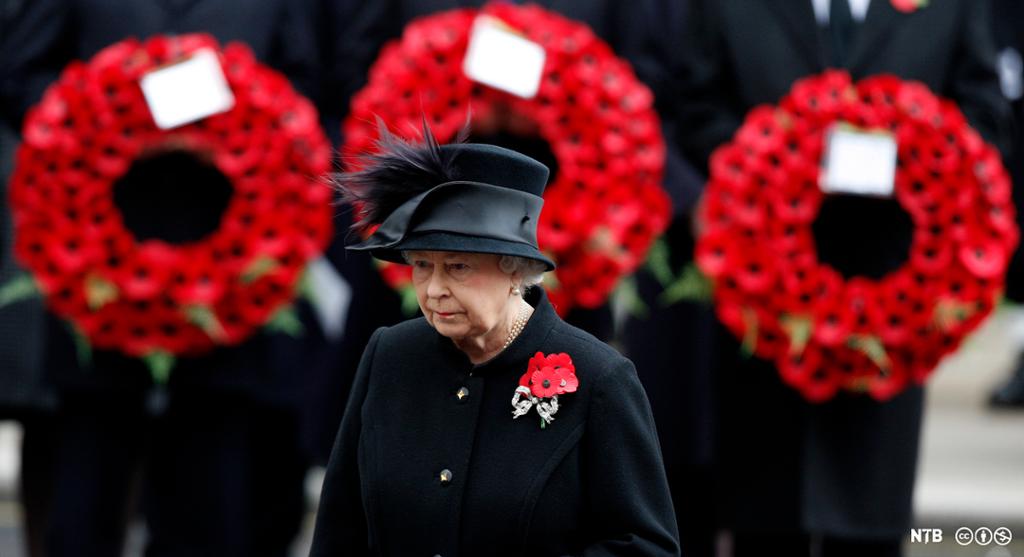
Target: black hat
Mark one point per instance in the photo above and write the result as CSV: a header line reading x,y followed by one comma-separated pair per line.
x,y
462,197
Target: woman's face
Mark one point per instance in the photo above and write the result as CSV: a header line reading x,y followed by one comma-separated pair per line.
x,y
462,295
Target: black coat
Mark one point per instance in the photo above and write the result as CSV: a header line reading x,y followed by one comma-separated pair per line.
x,y
846,467
21,324
590,483
737,54
359,32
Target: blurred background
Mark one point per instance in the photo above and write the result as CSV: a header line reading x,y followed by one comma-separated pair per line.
x,y
98,457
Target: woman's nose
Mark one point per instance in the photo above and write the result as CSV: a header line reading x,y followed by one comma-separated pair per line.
x,y
437,286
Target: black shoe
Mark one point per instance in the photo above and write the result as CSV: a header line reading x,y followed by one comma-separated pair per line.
x,y
1011,393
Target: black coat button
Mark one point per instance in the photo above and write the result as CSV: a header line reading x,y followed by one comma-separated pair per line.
x,y
462,394
446,477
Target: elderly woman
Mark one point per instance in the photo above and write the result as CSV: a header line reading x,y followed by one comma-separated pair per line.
x,y
487,427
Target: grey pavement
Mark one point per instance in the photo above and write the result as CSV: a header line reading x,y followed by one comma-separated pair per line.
x,y
971,472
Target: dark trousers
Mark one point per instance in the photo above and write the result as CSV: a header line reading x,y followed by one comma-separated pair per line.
x,y
213,476
672,346
38,462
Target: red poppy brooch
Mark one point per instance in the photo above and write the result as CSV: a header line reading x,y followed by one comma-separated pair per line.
x,y
546,378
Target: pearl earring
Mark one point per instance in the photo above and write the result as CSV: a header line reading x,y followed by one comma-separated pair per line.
x,y
516,291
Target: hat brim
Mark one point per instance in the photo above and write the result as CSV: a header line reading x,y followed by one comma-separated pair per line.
x,y
447,241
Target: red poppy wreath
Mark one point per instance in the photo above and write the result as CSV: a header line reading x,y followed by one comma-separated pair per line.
x,y
604,206
148,297
825,332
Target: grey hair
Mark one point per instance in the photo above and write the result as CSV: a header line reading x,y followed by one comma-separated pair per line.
x,y
531,270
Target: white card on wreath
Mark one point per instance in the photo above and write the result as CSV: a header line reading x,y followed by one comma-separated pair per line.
x,y
186,91
500,57
859,162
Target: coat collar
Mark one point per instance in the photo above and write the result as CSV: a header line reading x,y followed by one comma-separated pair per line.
x,y
798,15
178,7
529,341
872,34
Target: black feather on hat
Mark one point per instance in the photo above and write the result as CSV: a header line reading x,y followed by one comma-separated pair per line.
x,y
398,171
462,197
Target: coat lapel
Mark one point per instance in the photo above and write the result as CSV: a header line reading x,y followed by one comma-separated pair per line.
x,y
873,33
798,16
177,7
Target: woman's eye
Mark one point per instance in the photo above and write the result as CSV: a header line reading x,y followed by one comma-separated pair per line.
x,y
458,269
421,264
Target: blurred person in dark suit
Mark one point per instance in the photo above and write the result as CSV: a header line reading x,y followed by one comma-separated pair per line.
x,y
1009,34
218,466
840,473
24,395
672,341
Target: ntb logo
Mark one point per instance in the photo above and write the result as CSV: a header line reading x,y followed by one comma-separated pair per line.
x,y
926,535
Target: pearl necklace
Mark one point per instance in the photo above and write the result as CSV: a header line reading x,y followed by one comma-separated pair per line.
x,y
517,326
